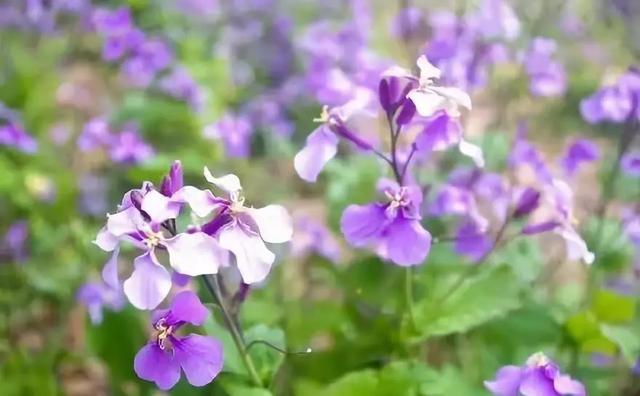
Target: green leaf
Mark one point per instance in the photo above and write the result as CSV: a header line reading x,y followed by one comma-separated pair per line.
x,y
266,359
234,388
611,307
232,360
487,296
356,383
626,338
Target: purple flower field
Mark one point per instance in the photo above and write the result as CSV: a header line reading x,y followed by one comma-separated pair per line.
x,y
319,198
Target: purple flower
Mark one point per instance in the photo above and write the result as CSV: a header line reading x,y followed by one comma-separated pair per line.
x,y
579,152
391,228
181,85
96,296
127,147
13,244
613,103
630,163
311,236
172,182
119,32
138,221
409,23
527,201
523,153
548,77
459,201
495,19
93,193
167,353
322,144
427,97
538,377
234,132
96,133
440,132
472,242
13,135
241,230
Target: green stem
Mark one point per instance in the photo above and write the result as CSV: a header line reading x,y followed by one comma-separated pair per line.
x,y
408,295
211,282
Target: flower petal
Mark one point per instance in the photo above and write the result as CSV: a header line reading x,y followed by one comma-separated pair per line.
x,y
186,307
110,271
406,242
149,283
201,202
160,207
106,240
320,148
565,385
536,383
427,70
253,258
274,222
200,357
507,381
361,224
426,102
195,254
153,364
454,95
124,222
229,183
472,151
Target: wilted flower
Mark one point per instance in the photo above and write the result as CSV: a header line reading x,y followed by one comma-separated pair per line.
x,y
167,354
538,377
391,228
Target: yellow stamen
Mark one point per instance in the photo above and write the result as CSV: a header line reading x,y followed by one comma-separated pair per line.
x,y
324,115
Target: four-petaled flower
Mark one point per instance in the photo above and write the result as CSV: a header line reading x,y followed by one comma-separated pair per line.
x,y
167,353
239,229
393,228
140,221
428,97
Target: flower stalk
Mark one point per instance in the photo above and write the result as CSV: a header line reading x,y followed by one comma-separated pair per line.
x,y
212,285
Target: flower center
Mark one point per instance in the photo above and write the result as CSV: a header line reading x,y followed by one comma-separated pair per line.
x,y
152,239
237,202
324,115
538,360
398,199
163,331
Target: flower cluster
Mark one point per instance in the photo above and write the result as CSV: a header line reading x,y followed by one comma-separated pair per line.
x,y
614,103
391,228
125,146
143,58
